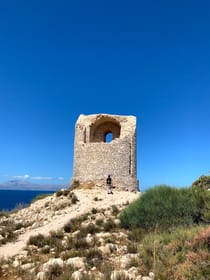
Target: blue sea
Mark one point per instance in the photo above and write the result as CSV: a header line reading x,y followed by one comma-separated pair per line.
x,y
9,199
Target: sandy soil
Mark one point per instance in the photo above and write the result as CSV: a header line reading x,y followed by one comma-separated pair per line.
x,y
85,204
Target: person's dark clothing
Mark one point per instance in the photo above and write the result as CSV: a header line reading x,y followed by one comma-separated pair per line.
x,y
109,184
109,180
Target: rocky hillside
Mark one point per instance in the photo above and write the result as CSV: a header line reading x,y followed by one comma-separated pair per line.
x,y
70,235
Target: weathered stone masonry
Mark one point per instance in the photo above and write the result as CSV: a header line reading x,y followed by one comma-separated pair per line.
x,y
95,157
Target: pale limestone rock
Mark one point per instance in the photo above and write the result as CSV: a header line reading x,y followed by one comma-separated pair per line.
x,y
117,221
122,249
124,260
37,225
23,254
118,274
105,250
89,239
74,234
51,262
77,262
99,216
133,272
103,234
77,275
16,263
152,275
27,266
41,276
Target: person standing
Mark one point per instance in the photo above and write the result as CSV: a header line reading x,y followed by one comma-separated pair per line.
x,y
109,184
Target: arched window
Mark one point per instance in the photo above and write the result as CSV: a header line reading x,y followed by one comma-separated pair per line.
x,y
108,137
104,130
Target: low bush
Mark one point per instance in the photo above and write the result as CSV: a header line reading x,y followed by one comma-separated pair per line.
x,y
94,211
69,227
136,234
76,243
75,184
54,271
132,248
8,230
99,221
93,257
74,224
90,228
109,225
74,198
53,241
161,207
115,210
38,240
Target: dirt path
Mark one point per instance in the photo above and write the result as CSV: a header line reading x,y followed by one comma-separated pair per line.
x,y
85,204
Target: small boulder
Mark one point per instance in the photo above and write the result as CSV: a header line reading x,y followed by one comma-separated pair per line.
x,y
41,276
77,275
77,262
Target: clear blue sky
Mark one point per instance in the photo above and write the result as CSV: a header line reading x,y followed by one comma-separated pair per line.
x,y
59,59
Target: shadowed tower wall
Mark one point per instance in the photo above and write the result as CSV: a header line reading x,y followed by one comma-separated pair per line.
x,y
106,144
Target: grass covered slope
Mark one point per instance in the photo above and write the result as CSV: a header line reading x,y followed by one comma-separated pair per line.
x,y
171,230
90,235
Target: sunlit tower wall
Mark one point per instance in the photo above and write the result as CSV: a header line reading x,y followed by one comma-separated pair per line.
x,y
106,144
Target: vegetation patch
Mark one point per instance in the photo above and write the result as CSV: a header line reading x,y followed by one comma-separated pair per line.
x,y
181,254
161,207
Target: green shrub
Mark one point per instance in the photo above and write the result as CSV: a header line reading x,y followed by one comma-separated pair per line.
x,y
54,271
75,184
133,262
202,182
94,211
136,234
93,257
69,227
132,248
115,210
74,198
99,221
63,192
59,193
7,230
201,198
106,268
80,243
109,225
161,207
74,224
54,240
57,234
38,240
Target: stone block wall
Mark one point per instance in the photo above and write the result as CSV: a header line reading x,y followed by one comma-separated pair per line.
x,y
94,158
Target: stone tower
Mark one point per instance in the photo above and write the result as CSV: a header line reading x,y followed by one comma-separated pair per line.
x,y
106,144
